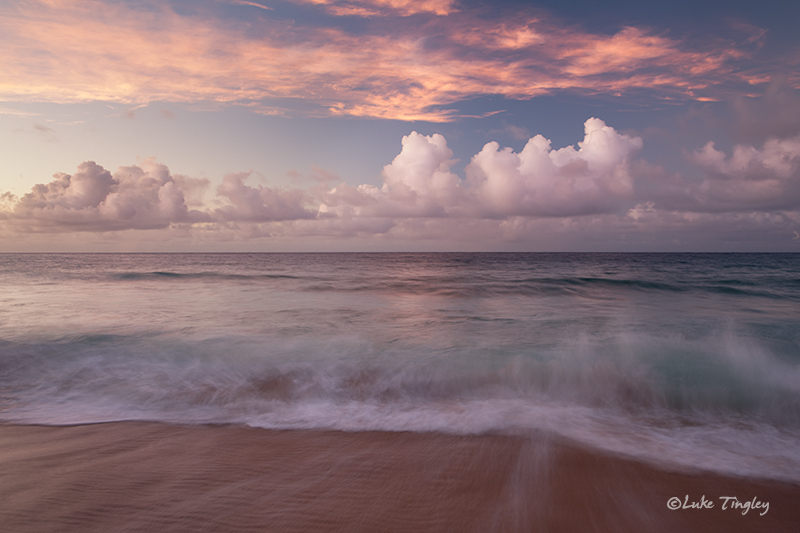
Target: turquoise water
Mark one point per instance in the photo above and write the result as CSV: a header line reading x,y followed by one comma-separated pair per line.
x,y
690,360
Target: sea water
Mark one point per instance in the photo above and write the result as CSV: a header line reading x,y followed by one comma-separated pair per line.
x,y
685,360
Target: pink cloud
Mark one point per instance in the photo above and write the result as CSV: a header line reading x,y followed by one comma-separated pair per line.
x,y
599,188
259,204
368,8
86,50
418,183
750,178
93,199
540,181
144,196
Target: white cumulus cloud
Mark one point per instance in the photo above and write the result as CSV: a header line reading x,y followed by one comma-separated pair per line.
x,y
94,199
418,183
259,204
597,192
750,178
541,181
538,181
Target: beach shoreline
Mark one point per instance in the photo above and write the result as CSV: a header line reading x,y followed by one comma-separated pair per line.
x,y
149,476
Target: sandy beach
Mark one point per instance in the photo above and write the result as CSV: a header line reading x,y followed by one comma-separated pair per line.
x,y
139,476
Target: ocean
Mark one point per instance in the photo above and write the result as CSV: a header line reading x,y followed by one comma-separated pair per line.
x,y
684,361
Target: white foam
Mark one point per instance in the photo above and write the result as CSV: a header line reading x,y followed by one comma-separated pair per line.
x,y
734,447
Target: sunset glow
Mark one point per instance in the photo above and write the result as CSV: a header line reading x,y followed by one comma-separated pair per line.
x,y
483,84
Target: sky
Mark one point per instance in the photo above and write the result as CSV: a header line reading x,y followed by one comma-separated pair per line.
x,y
399,125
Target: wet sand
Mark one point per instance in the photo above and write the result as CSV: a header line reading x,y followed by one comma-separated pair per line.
x,y
137,476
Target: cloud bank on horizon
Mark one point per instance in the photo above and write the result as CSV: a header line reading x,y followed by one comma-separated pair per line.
x,y
503,193
731,184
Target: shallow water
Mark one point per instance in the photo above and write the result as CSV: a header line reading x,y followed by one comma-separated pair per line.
x,y
683,359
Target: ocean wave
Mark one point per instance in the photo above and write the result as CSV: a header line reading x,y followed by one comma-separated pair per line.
x,y
666,395
658,355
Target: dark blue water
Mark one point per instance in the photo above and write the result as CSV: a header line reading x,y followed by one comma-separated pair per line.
x,y
686,359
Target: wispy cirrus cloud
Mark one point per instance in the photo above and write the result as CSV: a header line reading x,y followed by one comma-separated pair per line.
x,y
251,4
84,50
370,8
